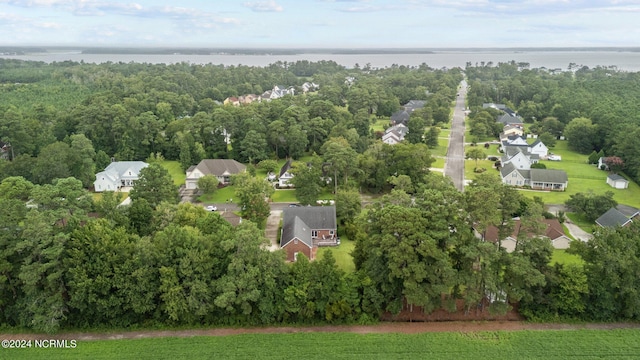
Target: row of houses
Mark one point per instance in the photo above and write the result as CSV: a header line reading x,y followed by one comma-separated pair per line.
x,y
276,92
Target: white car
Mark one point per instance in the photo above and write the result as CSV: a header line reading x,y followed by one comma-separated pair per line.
x,y
211,208
554,158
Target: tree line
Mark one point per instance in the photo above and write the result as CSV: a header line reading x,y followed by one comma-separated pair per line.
x,y
69,262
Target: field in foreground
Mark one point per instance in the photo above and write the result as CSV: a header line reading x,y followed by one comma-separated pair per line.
x,y
528,344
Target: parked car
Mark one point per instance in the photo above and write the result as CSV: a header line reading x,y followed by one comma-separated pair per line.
x,y
554,158
211,208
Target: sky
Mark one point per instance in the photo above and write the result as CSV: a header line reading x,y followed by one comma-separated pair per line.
x,y
321,23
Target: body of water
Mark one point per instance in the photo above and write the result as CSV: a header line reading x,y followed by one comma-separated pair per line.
x,y
622,60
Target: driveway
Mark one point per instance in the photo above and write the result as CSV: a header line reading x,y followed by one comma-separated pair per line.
x,y
574,230
271,230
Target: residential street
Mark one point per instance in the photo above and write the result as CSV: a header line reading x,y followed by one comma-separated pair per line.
x,y
454,163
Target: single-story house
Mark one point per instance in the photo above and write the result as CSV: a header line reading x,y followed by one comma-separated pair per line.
x,y
613,218
222,169
553,231
305,228
618,182
285,175
118,174
537,179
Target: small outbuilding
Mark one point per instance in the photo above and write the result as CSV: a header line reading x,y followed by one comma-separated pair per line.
x,y
617,182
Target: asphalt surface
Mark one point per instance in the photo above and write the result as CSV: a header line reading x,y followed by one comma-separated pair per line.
x,y
454,163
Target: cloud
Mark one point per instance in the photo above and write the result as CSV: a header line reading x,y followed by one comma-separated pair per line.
x,y
264,6
528,7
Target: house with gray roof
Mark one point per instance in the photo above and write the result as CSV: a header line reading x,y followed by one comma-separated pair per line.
x,y
613,218
537,179
222,169
510,119
402,116
118,175
305,228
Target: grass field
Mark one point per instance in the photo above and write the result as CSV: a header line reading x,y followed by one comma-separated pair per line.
x,y
175,170
380,125
547,344
562,257
342,254
441,150
439,163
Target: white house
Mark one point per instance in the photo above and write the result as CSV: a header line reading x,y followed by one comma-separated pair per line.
x,y
539,148
617,182
220,168
285,175
118,174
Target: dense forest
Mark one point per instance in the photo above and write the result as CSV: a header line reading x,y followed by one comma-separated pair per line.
x,y
67,261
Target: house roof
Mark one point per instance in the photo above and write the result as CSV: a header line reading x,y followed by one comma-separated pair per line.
x,y
219,167
119,167
400,116
538,141
507,169
317,217
509,119
553,230
414,104
628,211
296,229
612,218
285,167
549,176
616,177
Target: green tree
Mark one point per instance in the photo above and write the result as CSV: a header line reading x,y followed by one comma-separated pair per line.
x,y
431,137
155,185
253,147
307,181
208,184
348,205
253,194
580,133
476,153
341,156
591,205
415,129
269,166
81,159
547,139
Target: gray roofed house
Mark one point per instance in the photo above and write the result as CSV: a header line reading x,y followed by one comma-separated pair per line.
x,y
537,179
613,218
400,117
285,175
304,228
507,119
223,169
118,174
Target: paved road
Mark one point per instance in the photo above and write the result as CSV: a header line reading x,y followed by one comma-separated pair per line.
x,y
454,165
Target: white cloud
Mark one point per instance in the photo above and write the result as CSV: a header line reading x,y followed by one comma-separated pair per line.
x,y
264,6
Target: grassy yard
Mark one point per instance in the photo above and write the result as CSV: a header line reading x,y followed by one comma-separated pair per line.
x,y
526,344
582,178
439,163
441,150
342,254
284,196
380,125
581,222
563,257
175,170
219,196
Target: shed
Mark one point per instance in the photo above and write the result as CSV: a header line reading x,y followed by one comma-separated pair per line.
x,y
617,182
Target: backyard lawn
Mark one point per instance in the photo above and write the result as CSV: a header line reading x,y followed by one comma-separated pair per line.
x,y
342,254
380,125
564,258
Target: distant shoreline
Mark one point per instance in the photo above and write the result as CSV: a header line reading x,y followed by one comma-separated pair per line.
x,y
25,50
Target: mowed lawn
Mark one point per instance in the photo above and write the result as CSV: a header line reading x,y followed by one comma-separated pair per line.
x,y
528,344
175,170
583,177
341,253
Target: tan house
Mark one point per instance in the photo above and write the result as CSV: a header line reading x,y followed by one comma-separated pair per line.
x,y
554,232
305,228
222,169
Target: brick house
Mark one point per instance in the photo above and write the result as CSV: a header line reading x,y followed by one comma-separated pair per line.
x,y
305,228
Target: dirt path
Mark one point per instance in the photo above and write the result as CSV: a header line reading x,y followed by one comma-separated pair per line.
x,y
402,328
